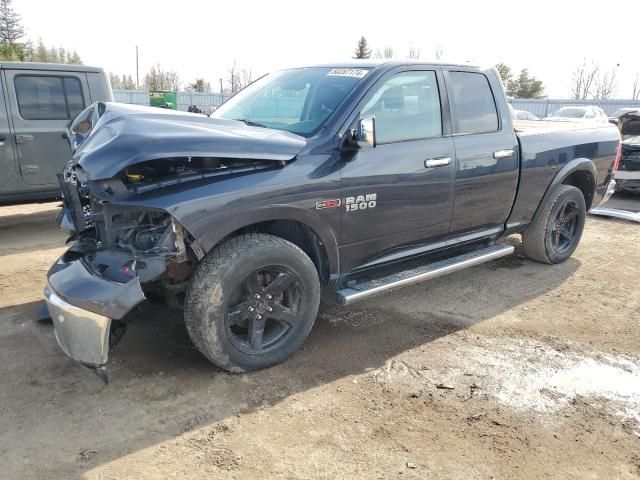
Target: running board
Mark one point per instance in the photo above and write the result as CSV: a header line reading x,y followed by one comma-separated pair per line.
x,y
349,295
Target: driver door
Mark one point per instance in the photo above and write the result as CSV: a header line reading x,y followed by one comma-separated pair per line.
x,y
398,195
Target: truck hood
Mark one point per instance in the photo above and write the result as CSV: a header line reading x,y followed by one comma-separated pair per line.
x,y
108,137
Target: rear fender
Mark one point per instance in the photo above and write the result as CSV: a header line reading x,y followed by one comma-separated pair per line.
x,y
575,165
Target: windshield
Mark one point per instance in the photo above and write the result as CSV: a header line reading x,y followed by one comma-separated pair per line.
x,y
570,112
298,100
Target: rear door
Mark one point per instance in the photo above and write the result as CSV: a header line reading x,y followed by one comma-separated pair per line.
x,y
487,164
42,103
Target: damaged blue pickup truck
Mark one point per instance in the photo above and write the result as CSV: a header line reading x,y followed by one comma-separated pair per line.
x,y
331,175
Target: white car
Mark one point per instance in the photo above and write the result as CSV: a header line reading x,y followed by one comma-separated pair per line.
x,y
523,115
581,113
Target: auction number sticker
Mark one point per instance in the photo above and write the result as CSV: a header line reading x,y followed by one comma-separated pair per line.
x,y
347,72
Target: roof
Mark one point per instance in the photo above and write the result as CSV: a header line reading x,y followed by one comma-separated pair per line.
x,y
48,66
372,63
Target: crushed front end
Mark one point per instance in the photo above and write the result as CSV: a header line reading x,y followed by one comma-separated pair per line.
x,y
120,256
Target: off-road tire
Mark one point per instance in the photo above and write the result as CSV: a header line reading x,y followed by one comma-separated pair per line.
x,y
221,273
537,240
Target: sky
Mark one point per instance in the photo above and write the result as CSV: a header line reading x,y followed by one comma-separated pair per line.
x,y
204,38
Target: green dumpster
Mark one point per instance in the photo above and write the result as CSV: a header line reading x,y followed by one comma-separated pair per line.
x,y
163,99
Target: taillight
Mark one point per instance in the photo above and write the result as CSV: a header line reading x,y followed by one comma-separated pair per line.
x,y
618,157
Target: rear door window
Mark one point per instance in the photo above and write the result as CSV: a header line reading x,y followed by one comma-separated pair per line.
x,y
48,97
473,101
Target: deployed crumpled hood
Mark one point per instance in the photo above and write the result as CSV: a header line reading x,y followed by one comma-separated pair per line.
x,y
121,135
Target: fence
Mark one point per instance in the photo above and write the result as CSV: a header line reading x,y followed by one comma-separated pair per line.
x,y
203,100
546,106
542,107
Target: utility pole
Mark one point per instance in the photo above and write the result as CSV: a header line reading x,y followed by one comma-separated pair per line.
x,y
137,71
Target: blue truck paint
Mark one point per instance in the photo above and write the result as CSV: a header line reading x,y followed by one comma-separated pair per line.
x,y
477,197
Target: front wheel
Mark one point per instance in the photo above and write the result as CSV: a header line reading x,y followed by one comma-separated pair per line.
x,y
557,228
252,302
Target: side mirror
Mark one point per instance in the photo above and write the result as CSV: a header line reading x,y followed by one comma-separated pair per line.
x,y
364,135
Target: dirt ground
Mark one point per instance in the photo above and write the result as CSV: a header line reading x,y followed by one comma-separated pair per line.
x,y
511,369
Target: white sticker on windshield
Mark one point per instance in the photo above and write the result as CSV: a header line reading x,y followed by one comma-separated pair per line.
x,y
347,72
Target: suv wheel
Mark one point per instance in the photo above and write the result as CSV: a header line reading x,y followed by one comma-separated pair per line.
x,y
556,230
252,302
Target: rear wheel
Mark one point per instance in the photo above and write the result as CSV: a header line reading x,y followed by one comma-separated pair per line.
x,y
556,230
252,302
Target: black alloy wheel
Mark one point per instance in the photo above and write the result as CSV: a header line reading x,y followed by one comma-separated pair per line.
x,y
263,309
565,227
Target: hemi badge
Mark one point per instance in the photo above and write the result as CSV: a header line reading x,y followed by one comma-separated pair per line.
x,y
329,203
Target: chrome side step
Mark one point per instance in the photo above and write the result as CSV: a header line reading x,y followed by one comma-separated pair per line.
x,y
349,295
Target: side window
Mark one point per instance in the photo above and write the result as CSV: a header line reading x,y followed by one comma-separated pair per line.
x,y
474,103
73,92
48,97
406,107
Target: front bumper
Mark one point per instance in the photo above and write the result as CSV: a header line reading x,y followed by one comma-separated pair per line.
x,y
83,304
81,334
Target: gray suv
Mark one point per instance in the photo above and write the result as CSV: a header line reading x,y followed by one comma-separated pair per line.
x,y
38,101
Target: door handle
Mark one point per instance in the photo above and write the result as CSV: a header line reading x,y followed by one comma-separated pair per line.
x,y
24,138
29,169
437,162
502,154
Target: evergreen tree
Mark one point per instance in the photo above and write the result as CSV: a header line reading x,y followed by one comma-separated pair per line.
x,y
11,29
527,86
362,50
198,85
74,58
41,54
128,84
52,55
114,80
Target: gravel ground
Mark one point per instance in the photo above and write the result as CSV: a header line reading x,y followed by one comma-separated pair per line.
x,y
511,369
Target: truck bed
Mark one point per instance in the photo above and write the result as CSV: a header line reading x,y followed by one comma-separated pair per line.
x,y
546,146
535,127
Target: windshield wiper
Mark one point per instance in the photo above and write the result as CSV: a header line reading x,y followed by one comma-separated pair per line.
x,y
250,123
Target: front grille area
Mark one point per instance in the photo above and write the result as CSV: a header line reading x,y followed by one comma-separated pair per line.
x,y
76,200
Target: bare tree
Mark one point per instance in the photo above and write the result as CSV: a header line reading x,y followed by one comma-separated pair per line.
x,y
604,85
414,53
156,79
377,53
388,52
246,77
439,51
636,87
234,78
583,78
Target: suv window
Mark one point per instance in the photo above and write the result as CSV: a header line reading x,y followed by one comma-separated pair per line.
x,y
406,107
48,97
474,103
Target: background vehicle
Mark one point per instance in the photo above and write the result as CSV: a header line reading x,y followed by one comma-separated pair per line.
x,y
627,174
164,99
37,104
521,114
615,116
333,175
584,113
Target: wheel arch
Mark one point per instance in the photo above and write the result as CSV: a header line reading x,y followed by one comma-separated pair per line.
x,y
299,226
580,173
